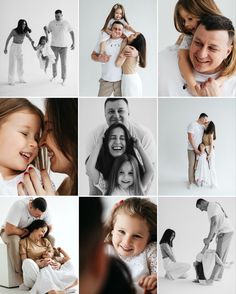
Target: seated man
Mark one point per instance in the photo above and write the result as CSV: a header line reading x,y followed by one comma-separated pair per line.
x,y
212,54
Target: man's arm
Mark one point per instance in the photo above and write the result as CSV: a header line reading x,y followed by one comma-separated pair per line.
x,y
13,230
191,141
72,47
212,232
100,57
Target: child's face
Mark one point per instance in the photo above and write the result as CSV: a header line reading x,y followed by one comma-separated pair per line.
x,y
118,14
190,21
125,175
130,235
43,42
19,136
117,142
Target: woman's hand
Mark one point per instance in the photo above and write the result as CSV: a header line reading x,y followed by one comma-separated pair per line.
x,y
130,51
32,185
149,283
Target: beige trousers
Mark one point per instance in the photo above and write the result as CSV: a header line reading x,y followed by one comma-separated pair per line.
x,y
191,162
108,88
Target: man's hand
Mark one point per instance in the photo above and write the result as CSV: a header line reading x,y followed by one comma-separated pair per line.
x,y
206,241
103,58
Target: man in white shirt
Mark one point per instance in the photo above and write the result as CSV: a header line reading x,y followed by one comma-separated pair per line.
x,y
220,227
195,132
21,214
117,111
59,29
212,54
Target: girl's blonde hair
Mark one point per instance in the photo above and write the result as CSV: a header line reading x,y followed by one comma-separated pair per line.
x,y
197,8
112,13
135,206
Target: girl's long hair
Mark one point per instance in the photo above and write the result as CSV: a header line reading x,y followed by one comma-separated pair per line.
x,y
19,29
112,13
105,159
119,161
63,114
198,8
211,130
41,39
135,206
140,44
167,237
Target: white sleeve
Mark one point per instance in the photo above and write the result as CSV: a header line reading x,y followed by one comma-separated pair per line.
x,y
14,214
190,128
149,147
152,257
186,42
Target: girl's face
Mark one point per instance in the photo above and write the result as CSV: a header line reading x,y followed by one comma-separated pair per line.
x,y
59,163
40,232
130,235
19,136
190,21
43,42
125,176
117,142
118,14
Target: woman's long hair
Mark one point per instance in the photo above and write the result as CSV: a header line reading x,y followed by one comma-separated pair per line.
x,y
167,237
105,159
19,29
35,225
63,114
211,130
140,44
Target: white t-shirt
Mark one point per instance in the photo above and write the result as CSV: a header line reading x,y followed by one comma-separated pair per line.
x,y
136,130
197,130
111,72
20,217
223,225
59,31
171,82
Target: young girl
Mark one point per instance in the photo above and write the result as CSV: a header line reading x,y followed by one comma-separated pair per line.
x,y
44,53
16,55
132,235
125,177
174,269
117,13
202,170
187,17
20,126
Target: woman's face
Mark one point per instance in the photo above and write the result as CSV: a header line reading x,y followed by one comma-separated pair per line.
x,y
132,37
40,232
117,142
59,163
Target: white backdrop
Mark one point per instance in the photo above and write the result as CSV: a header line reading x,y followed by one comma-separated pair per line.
x,y
65,221
141,15
37,15
191,227
167,32
91,115
174,117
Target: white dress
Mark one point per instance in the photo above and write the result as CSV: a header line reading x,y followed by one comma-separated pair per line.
x,y
143,264
202,173
45,51
212,166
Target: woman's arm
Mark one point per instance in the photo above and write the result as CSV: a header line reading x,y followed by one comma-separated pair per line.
x,y
169,252
28,36
148,167
129,28
7,41
91,170
121,57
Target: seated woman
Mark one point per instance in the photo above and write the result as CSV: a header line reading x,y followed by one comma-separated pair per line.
x,y
42,271
174,269
131,84
115,143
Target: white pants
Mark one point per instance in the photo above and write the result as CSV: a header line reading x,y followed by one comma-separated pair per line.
x,y
30,272
212,167
15,57
131,85
175,269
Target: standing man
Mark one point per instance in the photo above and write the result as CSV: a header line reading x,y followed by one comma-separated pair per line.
x,y
220,227
21,214
59,29
195,132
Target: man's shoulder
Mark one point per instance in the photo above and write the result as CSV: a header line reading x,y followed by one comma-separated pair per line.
x,y
139,129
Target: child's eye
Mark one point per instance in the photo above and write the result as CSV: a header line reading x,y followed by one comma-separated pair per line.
x,y
130,173
137,237
24,133
121,232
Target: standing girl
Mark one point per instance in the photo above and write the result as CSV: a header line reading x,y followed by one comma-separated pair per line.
x,y
16,55
44,53
202,170
174,269
20,127
125,178
132,235
117,13
187,16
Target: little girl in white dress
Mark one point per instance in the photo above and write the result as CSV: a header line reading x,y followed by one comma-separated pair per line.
x,y
132,235
202,170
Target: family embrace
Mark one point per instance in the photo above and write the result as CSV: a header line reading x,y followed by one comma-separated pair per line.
x,y
120,50
201,153
47,55
24,132
120,154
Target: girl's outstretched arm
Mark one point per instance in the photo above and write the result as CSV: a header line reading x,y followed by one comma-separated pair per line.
x,y
129,28
92,172
148,167
7,41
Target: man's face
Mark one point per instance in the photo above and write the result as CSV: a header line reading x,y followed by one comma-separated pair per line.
x,y
204,120
117,112
58,16
116,31
208,50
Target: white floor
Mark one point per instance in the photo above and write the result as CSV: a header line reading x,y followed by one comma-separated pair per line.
x,y
17,291
186,286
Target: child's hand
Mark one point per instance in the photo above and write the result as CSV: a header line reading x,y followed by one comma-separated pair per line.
x,y
136,142
5,51
149,283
